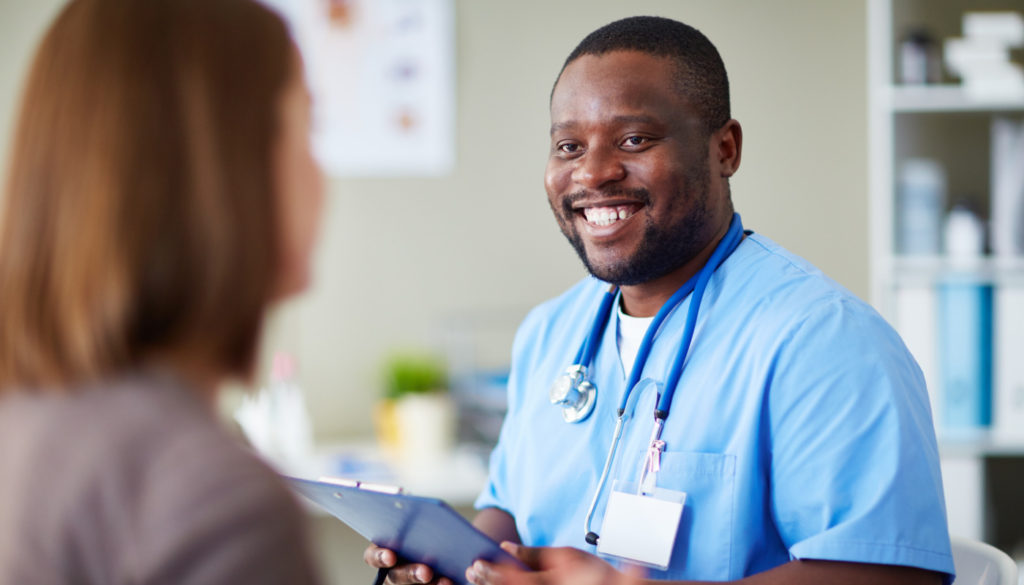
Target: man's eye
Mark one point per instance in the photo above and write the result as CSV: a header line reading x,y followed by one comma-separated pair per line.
x,y
569,148
635,141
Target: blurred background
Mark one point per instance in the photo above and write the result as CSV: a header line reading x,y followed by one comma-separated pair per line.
x,y
423,274
403,261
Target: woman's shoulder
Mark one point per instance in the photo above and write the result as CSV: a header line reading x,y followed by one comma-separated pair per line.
x,y
146,438
165,492
172,444
211,507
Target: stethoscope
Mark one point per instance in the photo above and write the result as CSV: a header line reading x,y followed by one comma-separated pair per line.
x,y
577,395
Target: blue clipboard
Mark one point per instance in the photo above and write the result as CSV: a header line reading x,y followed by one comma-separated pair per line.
x,y
418,529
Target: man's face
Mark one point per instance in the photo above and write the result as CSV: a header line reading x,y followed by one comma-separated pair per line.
x,y
628,171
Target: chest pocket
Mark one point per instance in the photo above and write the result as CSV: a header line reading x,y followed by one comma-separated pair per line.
x,y
704,540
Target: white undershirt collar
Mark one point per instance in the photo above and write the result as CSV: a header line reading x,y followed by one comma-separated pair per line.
x,y
629,335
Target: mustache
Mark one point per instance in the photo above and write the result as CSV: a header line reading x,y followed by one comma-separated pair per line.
x,y
639,195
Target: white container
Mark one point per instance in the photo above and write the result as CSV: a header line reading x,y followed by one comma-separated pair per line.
x,y
276,421
964,234
292,426
964,56
426,431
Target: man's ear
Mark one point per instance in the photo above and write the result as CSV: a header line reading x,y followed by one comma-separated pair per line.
x,y
727,144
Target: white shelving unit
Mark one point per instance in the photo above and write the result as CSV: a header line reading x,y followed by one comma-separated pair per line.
x,y
939,121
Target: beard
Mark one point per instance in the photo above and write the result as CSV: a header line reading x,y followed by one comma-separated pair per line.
x,y
663,247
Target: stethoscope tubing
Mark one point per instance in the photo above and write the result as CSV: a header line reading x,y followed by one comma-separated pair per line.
x,y
729,243
585,355
600,484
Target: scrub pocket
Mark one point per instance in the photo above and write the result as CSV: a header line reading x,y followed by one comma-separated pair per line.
x,y
704,542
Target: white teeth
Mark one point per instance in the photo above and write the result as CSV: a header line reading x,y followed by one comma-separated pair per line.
x,y
605,216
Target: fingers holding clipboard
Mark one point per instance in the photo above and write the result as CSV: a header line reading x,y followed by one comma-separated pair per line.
x,y
418,529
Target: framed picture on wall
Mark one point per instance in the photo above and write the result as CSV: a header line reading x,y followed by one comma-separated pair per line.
x,y
382,74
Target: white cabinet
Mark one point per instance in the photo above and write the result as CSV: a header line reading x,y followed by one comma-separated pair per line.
x,y
943,122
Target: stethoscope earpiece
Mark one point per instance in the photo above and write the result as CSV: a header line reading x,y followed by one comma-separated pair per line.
x,y
574,393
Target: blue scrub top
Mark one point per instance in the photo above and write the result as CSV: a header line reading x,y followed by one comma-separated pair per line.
x,y
800,428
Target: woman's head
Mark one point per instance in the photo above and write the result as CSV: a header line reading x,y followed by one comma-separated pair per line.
x,y
143,215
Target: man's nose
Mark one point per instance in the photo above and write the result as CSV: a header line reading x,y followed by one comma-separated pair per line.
x,y
598,167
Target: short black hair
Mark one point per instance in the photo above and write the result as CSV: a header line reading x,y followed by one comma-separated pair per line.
x,y
701,76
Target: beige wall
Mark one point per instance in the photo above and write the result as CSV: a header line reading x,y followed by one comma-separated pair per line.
x,y
401,260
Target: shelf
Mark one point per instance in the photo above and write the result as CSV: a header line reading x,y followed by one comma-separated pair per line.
x,y
942,98
917,270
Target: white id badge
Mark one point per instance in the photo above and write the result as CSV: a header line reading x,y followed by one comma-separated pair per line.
x,y
641,529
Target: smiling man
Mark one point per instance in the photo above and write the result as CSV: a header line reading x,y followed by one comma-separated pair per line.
x,y
723,411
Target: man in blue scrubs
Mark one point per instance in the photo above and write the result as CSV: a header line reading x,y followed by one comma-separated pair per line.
x,y
799,437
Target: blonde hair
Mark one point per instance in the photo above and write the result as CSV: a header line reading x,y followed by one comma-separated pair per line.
x,y
139,215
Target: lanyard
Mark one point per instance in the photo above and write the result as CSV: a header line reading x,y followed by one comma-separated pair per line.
x,y
696,285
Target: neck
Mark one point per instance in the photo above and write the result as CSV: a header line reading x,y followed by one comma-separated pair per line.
x,y
203,379
645,299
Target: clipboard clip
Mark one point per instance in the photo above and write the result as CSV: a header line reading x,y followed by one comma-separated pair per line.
x,y
370,487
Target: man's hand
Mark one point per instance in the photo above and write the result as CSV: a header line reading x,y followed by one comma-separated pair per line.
x,y
382,558
550,566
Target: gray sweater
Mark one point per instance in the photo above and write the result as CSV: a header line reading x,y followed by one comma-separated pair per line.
x,y
135,483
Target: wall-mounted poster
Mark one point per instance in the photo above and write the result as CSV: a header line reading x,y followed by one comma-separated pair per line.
x,y
383,83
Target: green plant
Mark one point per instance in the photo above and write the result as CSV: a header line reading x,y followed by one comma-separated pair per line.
x,y
414,373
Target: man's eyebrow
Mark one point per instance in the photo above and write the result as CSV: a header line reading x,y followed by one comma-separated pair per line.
x,y
635,119
624,119
558,126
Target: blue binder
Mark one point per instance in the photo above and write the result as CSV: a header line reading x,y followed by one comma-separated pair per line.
x,y
965,353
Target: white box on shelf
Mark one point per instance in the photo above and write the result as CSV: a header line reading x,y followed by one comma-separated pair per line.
x,y
982,57
1001,81
1009,366
962,54
915,306
1007,180
1007,27
963,481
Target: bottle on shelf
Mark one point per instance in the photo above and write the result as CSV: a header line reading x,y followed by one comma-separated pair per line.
x,y
919,58
293,430
275,419
921,200
963,234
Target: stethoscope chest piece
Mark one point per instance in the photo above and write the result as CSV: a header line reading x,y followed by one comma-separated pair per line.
x,y
574,393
